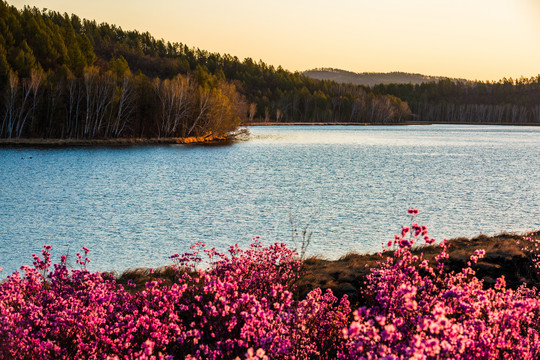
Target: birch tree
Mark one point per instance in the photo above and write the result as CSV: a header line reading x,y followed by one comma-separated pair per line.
x,y
10,114
174,98
74,107
30,87
125,107
99,95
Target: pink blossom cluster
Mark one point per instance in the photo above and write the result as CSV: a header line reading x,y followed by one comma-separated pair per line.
x,y
531,245
240,305
423,312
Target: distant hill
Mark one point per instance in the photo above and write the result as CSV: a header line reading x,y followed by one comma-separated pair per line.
x,y
369,79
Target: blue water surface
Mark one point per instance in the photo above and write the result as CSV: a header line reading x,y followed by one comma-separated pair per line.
x,y
350,186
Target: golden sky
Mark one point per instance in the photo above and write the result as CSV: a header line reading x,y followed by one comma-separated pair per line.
x,y
472,39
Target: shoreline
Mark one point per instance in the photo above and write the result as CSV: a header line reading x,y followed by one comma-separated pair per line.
x,y
504,256
120,142
346,275
405,123
202,140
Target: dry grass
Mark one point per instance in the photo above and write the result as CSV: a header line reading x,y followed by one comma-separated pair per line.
x,y
140,276
347,275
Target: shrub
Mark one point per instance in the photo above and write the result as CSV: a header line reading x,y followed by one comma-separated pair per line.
x,y
241,301
421,311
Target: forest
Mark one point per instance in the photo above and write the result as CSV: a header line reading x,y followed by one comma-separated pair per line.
x,y
508,101
54,85
65,77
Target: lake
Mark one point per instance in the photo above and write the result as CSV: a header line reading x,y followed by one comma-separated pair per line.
x,y
349,186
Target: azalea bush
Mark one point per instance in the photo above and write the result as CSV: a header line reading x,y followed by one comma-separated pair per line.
x,y
531,245
422,311
239,302
240,305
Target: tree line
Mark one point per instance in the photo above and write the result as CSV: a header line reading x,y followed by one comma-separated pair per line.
x,y
66,77
508,101
273,94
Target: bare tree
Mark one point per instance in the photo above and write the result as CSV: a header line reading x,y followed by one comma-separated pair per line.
x,y
266,114
175,104
90,79
278,115
104,98
99,95
30,87
74,107
201,117
125,107
252,111
10,115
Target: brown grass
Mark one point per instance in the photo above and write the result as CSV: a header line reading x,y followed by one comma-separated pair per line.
x,y
168,275
347,275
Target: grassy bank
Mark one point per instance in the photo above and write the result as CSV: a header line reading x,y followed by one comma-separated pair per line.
x,y
346,275
504,256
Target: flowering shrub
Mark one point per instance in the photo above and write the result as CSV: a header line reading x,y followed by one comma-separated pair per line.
x,y
240,305
423,312
241,302
531,245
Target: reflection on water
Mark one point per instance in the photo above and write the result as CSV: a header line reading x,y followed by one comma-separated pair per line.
x,y
135,206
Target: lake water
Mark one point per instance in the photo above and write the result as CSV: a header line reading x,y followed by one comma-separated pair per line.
x,y
135,206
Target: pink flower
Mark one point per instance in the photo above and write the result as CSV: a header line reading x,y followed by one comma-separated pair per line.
x,y
404,231
429,241
404,243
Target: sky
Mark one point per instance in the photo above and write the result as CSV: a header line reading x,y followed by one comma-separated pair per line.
x,y
470,39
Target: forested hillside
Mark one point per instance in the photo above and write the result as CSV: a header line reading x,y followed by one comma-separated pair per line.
x,y
66,77
55,85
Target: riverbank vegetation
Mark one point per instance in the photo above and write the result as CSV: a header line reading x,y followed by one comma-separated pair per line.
x,y
456,101
452,300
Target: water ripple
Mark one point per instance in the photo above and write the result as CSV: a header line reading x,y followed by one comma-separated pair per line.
x,y
135,206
